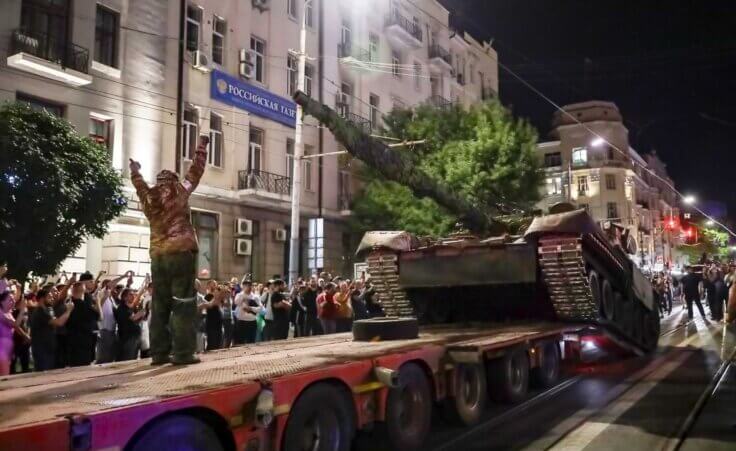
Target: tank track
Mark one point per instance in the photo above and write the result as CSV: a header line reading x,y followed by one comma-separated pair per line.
x,y
563,271
383,268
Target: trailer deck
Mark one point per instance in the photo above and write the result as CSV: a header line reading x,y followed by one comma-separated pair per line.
x,y
39,397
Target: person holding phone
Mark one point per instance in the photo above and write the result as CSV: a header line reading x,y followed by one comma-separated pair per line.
x,y
173,258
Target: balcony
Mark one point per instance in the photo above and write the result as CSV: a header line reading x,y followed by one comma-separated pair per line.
x,y
439,58
440,102
263,185
41,54
344,110
402,32
354,56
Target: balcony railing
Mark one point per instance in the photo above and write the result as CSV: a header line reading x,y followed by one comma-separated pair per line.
x,y
439,102
359,121
435,51
266,181
350,50
57,51
394,18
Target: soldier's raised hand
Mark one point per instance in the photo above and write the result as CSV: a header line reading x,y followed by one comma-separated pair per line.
x,y
134,166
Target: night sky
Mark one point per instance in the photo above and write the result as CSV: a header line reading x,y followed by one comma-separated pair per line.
x,y
670,66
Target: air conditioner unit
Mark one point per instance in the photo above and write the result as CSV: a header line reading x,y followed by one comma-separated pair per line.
x,y
246,70
243,226
243,246
279,234
261,4
200,61
247,56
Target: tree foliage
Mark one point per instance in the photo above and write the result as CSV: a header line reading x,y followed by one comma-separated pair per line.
x,y
711,242
56,188
483,154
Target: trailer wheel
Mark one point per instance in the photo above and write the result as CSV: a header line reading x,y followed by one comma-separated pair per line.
x,y
178,432
383,329
508,376
548,371
408,415
467,404
321,420
608,301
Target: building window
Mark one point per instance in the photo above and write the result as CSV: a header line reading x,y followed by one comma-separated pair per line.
x,y
584,207
289,157
189,141
41,105
395,63
471,71
554,186
308,77
373,46
292,69
343,189
214,157
100,131
610,181
612,210
194,21
308,14
106,36
205,226
579,156
417,76
552,159
308,168
219,29
291,8
344,99
374,102
346,37
256,149
582,185
259,64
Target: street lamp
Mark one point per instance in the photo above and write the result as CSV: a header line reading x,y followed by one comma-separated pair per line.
x,y
597,141
709,222
689,199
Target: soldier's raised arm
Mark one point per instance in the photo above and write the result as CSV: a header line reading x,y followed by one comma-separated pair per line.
x,y
141,187
191,180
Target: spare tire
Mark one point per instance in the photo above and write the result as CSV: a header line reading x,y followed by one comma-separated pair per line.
x,y
382,329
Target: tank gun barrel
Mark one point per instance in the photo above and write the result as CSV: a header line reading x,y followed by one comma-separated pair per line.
x,y
394,165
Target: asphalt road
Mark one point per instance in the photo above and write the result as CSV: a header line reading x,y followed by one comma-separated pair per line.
x,y
682,397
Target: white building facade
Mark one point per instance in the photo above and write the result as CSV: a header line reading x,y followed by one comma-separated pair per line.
x,y
111,67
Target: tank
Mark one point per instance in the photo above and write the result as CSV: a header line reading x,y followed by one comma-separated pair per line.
x,y
564,267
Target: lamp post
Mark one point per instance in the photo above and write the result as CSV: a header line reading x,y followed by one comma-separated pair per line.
x,y
296,178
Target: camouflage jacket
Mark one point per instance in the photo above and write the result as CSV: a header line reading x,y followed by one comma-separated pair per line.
x,y
171,226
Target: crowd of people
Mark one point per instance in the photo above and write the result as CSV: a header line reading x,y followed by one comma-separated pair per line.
x,y
709,283
80,320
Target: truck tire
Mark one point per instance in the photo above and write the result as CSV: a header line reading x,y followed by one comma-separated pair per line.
x,y
508,376
470,396
177,432
321,420
408,417
594,282
548,371
608,301
382,329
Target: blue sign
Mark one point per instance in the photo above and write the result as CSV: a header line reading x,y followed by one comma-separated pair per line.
x,y
228,89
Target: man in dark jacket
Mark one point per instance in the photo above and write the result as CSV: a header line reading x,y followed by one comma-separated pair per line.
x,y
82,324
312,326
691,289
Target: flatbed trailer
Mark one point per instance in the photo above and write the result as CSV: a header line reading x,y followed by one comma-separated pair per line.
x,y
306,393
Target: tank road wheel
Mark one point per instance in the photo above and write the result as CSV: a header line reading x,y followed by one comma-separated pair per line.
x,y
321,420
177,432
408,411
469,398
508,376
608,301
594,282
548,371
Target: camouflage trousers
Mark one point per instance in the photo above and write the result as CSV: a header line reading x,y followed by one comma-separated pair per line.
x,y
173,308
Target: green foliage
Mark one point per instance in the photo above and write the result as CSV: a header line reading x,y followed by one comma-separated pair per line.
x,y
483,154
711,241
56,188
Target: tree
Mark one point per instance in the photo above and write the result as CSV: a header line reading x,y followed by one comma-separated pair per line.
x,y
56,188
712,242
482,153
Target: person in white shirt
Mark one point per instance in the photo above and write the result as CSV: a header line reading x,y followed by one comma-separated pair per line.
x,y
247,307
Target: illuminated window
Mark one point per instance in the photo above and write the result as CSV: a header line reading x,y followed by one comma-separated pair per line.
x,y
610,181
582,185
554,186
579,156
100,130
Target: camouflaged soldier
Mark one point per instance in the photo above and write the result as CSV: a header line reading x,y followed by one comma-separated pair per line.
x,y
173,259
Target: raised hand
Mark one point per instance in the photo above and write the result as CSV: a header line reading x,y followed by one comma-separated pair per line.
x,y
134,166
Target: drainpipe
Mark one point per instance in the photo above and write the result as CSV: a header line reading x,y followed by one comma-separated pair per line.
x,y
320,68
180,86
